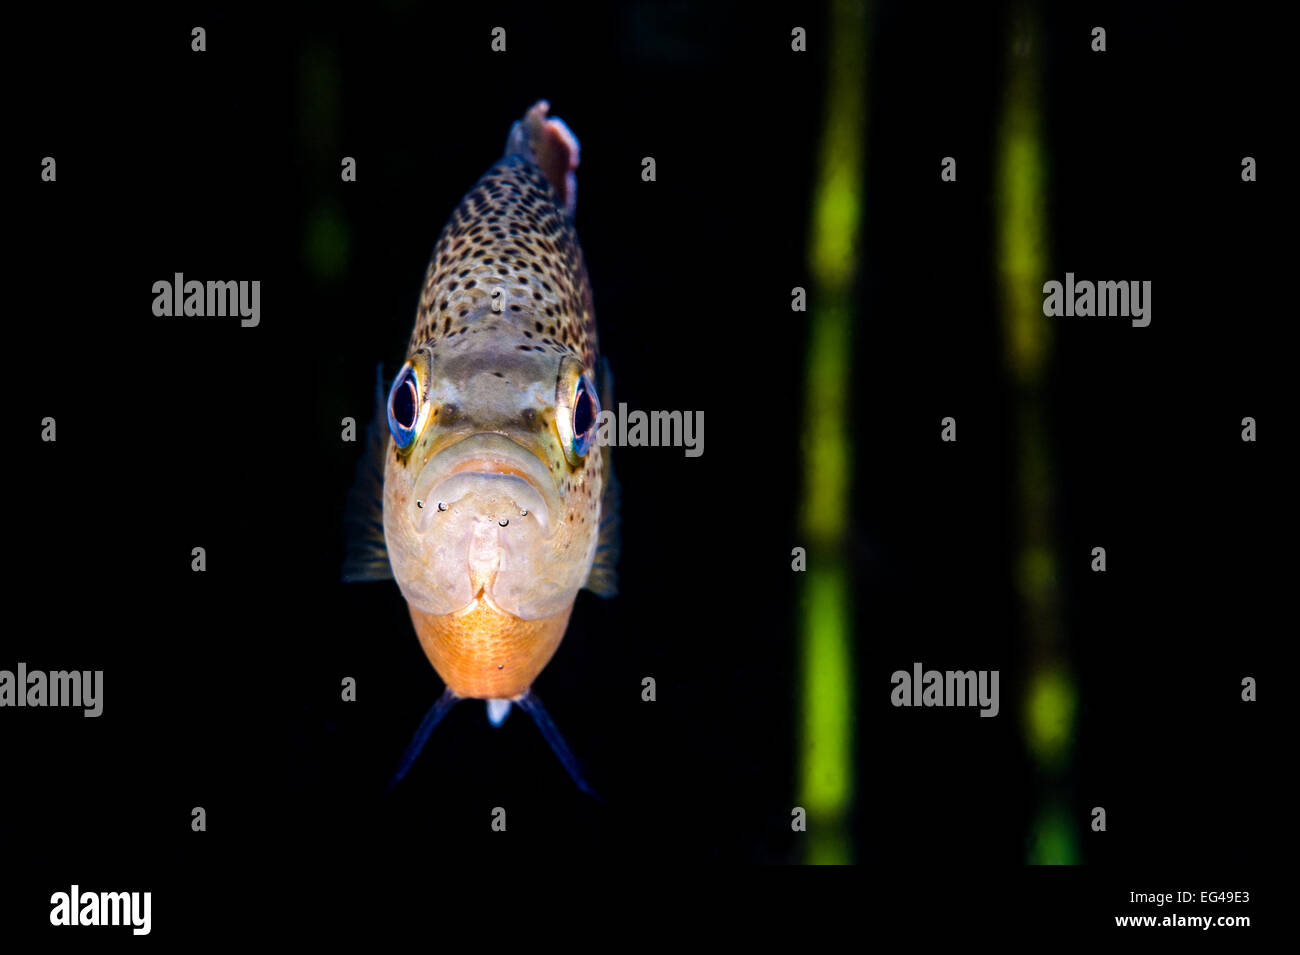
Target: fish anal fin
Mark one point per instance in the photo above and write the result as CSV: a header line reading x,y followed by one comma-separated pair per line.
x,y
497,711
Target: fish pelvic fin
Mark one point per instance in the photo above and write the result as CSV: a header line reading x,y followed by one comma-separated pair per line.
x,y
431,719
531,705
602,579
551,146
366,556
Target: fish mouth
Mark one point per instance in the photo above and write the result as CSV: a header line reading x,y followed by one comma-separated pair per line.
x,y
507,479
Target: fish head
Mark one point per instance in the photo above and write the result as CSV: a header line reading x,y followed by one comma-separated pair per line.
x,y
492,480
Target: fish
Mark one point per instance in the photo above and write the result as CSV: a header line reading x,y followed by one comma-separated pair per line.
x,y
483,491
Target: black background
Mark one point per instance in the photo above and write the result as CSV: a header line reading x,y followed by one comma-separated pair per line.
x,y
222,689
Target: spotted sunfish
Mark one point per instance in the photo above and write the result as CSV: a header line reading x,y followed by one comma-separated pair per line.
x,y
484,493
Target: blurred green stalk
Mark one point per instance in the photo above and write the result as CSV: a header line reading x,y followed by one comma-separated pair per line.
x,y
1050,699
828,705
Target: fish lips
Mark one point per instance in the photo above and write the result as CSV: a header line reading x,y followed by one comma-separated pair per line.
x,y
496,470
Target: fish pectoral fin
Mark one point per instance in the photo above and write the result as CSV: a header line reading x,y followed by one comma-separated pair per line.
x,y
366,557
602,580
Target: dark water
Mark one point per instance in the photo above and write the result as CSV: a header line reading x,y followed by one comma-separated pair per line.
x,y
223,688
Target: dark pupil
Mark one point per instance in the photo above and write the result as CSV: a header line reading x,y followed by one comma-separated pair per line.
x,y
404,403
584,412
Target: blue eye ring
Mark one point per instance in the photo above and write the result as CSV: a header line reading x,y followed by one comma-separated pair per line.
x,y
577,410
404,406
586,414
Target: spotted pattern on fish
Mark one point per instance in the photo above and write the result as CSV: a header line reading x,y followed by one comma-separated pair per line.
x,y
509,236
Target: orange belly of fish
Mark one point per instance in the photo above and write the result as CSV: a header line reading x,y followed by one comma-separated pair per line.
x,y
486,654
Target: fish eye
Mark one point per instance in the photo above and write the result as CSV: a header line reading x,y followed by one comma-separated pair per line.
x,y
577,410
404,406
586,410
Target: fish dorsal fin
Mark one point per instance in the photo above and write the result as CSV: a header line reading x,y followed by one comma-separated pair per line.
x,y
363,515
551,145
